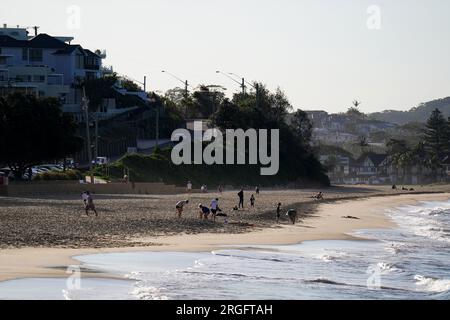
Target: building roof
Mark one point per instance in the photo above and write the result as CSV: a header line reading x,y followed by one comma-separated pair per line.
x,y
376,159
7,41
89,53
68,50
43,40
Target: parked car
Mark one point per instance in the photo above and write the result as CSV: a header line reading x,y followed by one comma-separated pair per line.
x,y
100,161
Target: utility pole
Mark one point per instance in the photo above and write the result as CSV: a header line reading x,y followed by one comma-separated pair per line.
x,y
186,88
257,95
243,86
96,138
157,126
88,134
145,83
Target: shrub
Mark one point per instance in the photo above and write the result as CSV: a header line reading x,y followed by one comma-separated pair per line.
x,y
58,175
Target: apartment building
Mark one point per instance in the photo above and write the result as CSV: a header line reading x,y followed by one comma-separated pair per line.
x,y
46,66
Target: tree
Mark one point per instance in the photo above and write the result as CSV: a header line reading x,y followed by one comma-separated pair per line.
x,y
302,127
436,139
400,156
34,130
362,144
207,98
245,111
129,85
354,112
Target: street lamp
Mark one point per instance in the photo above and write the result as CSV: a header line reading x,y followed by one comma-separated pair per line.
x,y
186,85
185,82
242,84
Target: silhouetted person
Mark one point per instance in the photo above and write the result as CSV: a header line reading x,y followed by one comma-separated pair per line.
x,y
241,199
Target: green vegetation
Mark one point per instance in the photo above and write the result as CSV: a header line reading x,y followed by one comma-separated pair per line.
x,y
34,130
429,153
258,109
59,175
98,89
159,168
419,114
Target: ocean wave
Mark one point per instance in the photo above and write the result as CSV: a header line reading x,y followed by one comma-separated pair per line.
x,y
143,292
387,268
432,284
326,281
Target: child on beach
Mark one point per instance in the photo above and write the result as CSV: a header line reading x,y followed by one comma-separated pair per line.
x,y
278,212
252,201
204,212
214,207
89,203
180,205
292,214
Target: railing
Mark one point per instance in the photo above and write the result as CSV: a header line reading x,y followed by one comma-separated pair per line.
x,y
92,66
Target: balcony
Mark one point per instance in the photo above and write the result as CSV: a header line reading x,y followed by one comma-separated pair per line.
x,y
92,66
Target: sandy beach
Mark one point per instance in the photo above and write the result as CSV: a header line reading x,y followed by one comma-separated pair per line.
x,y
39,236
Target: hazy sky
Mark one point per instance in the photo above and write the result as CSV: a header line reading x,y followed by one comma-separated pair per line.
x,y
321,52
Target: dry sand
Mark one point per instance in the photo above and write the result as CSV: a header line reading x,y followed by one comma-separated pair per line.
x,y
320,221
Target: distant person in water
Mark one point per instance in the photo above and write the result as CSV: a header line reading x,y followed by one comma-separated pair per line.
x,y
89,203
204,212
292,214
180,206
252,201
241,198
278,212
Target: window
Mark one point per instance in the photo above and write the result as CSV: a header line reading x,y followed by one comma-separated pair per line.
x,y
79,61
36,55
39,79
25,54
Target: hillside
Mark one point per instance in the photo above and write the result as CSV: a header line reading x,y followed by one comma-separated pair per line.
x,y
159,168
419,114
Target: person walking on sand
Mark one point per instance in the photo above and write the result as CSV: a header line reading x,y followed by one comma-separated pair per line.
x,y
292,214
84,197
220,189
241,199
179,206
189,187
278,212
89,204
257,190
214,208
252,201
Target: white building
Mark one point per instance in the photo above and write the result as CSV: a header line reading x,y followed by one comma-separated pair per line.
x,y
46,66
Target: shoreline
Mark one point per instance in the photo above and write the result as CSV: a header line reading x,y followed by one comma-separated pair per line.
x,y
327,223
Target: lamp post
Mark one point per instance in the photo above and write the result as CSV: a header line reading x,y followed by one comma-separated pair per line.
x,y
186,85
154,101
85,107
243,84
